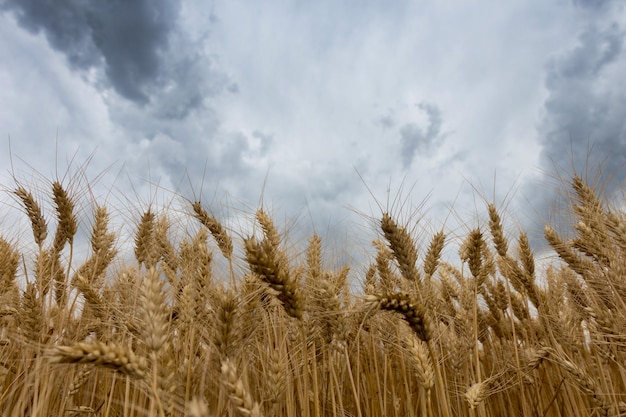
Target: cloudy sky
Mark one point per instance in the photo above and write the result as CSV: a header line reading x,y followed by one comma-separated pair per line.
x,y
319,109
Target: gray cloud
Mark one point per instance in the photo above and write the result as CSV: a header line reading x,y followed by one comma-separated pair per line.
x,y
415,139
582,109
584,125
64,24
386,122
132,36
162,77
129,39
592,4
265,141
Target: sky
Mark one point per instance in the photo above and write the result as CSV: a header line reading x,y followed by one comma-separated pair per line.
x,y
325,112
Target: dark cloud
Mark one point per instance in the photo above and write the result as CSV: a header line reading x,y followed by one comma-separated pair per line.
x,y
584,125
129,39
585,109
132,37
64,24
415,139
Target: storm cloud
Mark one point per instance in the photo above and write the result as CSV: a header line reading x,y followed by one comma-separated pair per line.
x,y
162,76
129,40
584,122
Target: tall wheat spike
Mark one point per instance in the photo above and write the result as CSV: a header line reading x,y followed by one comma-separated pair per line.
x,y
145,251
224,242
68,224
269,264
35,214
403,247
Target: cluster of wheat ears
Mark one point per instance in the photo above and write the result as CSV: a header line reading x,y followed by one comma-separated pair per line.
x,y
207,325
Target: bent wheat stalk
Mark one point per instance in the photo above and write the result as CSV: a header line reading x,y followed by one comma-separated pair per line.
x,y
109,355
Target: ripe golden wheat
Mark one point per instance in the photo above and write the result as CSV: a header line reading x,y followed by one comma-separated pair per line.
x,y
280,333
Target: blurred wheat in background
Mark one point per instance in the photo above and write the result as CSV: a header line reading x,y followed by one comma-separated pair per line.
x,y
207,322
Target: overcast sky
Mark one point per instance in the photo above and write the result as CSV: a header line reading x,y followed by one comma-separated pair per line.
x,y
294,101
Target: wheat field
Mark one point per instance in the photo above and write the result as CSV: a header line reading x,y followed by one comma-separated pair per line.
x,y
207,321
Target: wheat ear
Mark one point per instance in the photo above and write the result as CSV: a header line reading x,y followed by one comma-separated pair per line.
x,y
497,231
431,261
102,245
79,379
410,310
198,408
145,252
224,242
402,246
585,383
31,312
269,264
110,355
8,272
476,394
154,311
227,332
38,222
424,365
314,258
67,226
237,392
